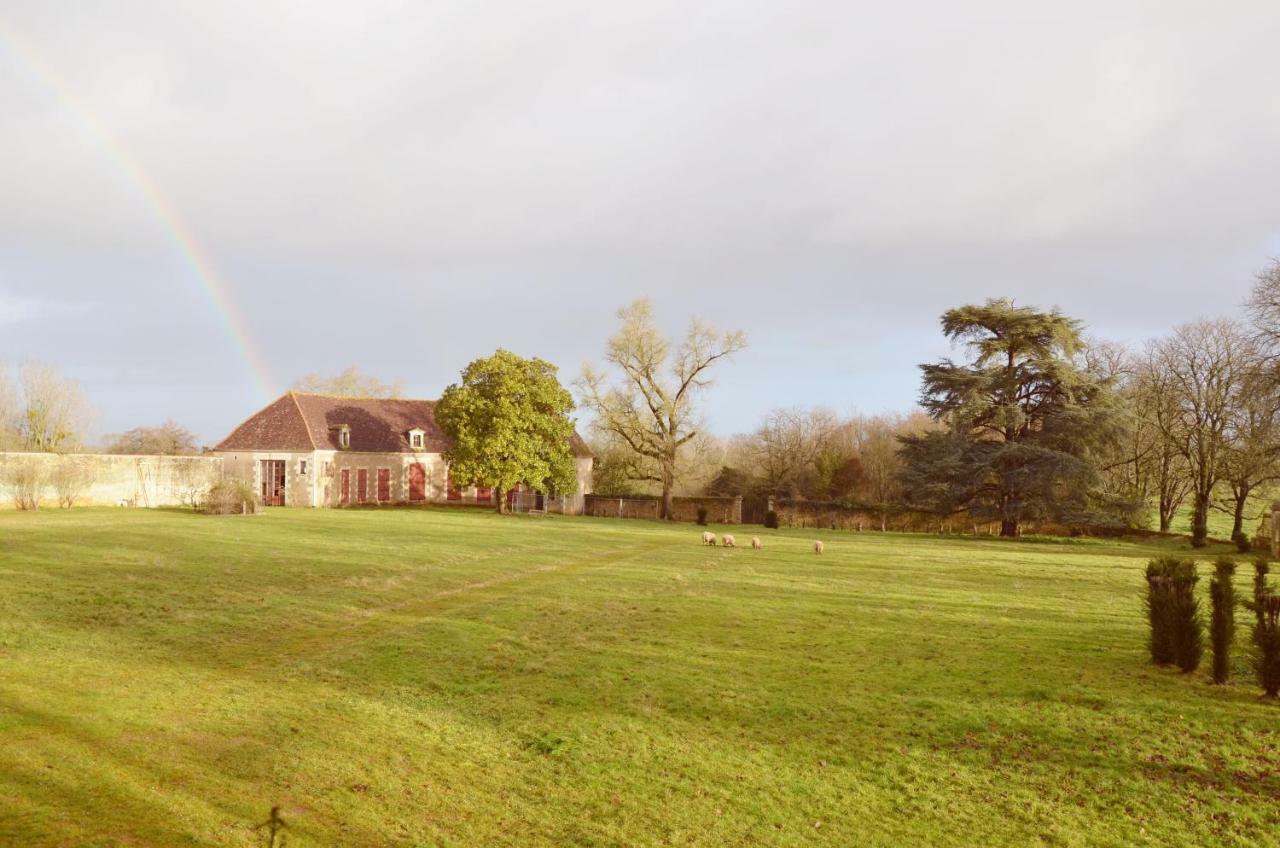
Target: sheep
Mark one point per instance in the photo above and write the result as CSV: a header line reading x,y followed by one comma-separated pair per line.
x,y
756,544
709,538
729,541
817,547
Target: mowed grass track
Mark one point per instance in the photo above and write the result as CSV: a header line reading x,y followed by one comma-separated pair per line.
x,y
406,677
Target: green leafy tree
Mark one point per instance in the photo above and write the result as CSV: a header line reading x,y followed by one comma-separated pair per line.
x,y
509,422
1024,421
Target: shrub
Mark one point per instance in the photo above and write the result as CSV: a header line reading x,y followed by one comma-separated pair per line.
x,y
1266,638
1222,627
771,519
71,476
1260,568
1173,612
702,516
1243,545
230,497
24,477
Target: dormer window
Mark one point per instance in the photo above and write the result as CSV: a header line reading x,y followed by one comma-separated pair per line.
x,y
417,439
344,436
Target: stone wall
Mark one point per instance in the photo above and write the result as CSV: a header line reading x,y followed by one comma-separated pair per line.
x,y
50,480
719,510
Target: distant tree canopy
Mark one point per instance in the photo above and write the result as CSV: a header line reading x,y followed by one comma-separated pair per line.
x,y
509,422
351,382
730,482
168,439
1024,421
45,412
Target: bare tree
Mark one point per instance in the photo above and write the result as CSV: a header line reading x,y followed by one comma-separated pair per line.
x,y
351,382
167,439
1251,457
1159,466
1264,307
1201,370
10,417
789,446
654,407
54,412
879,441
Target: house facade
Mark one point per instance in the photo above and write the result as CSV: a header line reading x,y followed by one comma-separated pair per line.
x,y
307,449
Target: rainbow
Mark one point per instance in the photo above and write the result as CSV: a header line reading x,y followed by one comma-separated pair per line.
x,y
213,287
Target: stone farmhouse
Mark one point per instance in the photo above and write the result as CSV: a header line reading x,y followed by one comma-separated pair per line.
x,y
308,449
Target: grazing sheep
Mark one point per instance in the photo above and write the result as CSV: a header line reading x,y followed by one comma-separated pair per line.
x,y
756,544
817,547
729,541
708,538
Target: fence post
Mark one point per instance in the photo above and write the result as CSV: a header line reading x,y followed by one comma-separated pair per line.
x,y
619,507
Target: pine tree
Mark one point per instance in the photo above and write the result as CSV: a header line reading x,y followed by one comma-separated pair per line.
x,y
1025,421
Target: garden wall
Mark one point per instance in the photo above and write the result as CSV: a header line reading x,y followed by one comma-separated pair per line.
x,y
50,480
719,510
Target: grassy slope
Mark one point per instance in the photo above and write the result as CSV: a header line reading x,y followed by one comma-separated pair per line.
x,y
436,678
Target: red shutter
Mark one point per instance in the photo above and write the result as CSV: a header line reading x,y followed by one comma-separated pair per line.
x,y
362,485
384,485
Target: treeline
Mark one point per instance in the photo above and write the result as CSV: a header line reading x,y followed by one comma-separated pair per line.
x,y
1035,422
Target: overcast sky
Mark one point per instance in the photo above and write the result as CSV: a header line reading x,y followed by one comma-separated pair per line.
x,y
406,186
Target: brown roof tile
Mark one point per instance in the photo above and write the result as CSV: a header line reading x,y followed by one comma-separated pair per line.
x,y
301,421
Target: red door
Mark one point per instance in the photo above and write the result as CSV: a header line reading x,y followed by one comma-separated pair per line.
x,y
384,485
345,489
362,485
452,493
417,482
273,482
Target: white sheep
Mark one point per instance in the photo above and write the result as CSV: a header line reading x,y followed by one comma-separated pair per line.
x,y
756,544
728,541
708,538
817,547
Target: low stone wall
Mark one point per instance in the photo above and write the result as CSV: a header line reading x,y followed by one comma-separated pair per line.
x,y
43,480
719,510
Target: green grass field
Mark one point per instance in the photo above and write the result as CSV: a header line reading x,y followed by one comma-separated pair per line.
x,y
404,677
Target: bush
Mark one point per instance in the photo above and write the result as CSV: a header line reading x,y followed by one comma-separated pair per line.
x,y
702,516
1260,568
25,479
230,497
1173,612
1266,638
1222,626
771,519
70,478
1243,545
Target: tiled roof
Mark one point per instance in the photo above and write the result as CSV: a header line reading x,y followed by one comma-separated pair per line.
x,y
301,421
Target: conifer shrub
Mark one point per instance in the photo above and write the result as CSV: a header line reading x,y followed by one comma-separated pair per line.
x,y
1266,641
771,519
1173,612
1260,568
702,516
1222,625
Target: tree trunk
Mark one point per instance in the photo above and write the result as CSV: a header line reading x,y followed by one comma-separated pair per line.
x,y
1237,519
1009,528
1200,520
668,484
1165,519
502,501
